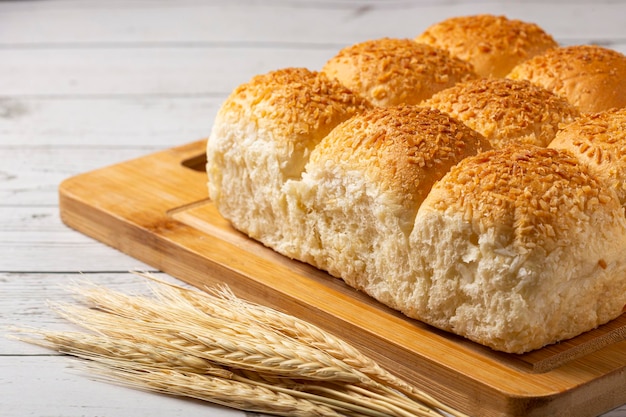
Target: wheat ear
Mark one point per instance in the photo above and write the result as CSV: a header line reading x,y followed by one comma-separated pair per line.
x,y
242,329
221,345
153,367
217,340
222,302
179,333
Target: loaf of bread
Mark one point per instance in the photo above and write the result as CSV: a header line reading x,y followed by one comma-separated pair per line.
x,y
492,44
591,77
485,235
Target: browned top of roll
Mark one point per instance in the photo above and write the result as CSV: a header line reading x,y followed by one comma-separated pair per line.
x,y
492,44
404,149
599,140
292,109
294,101
591,77
540,194
506,111
390,72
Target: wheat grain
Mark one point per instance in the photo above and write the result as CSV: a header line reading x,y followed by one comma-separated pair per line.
x,y
221,391
255,351
222,302
208,339
160,369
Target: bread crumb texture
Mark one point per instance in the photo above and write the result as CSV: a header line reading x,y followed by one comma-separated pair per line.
x,y
492,44
263,135
362,187
599,141
519,248
506,111
392,72
591,77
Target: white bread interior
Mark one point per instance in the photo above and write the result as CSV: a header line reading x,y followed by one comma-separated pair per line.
x,y
518,248
361,189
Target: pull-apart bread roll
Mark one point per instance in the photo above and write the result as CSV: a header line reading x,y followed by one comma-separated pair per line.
x,y
262,136
591,77
492,44
599,141
513,248
506,111
518,248
362,187
391,72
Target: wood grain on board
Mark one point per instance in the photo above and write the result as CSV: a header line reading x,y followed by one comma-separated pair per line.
x,y
155,208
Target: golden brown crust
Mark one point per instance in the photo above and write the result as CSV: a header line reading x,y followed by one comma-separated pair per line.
x,y
294,101
492,44
538,193
506,111
599,140
591,77
405,149
391,72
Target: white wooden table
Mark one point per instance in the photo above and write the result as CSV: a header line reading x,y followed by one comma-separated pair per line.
x,y
84,84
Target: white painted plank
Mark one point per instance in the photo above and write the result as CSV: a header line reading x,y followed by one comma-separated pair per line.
x,y
63,390
279,21
25,298
149,71
52,386
108,71
35,239
30,176
143,121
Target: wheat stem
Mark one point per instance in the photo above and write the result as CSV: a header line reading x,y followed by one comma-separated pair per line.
x,y
283,357
221,391
213,339
222,302
126,356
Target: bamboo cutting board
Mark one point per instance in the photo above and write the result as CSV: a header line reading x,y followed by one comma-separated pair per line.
x,y
156,209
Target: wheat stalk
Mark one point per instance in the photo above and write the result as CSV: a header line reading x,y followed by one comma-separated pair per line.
x,y
247,323
271,364
257,350
254,350
148,365
222,302
199,344
151,366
